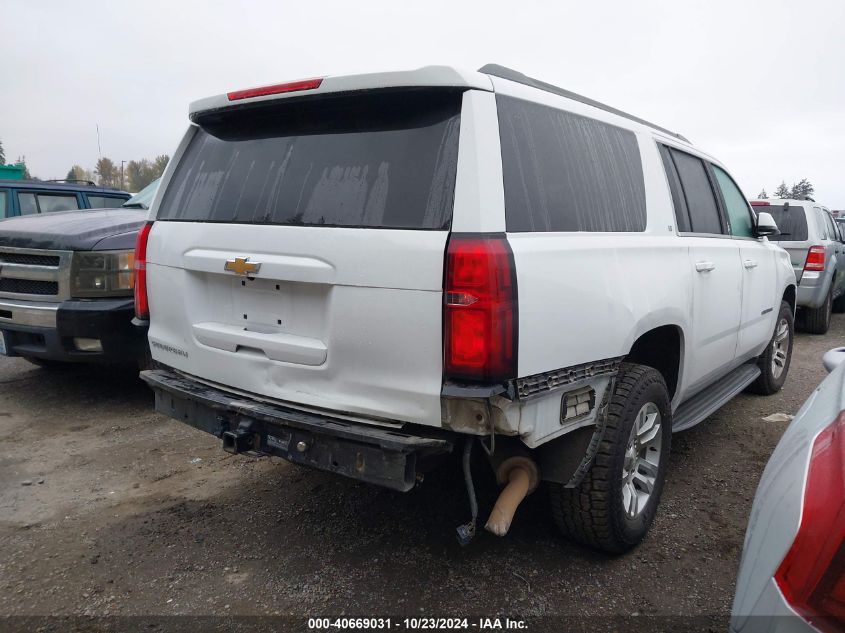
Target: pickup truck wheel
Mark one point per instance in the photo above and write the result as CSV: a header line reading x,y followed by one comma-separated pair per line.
x,y
774,362
614,506
817,320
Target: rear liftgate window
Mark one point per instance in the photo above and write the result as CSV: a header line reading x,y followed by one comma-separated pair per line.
x,y
381,160
566,172
791,221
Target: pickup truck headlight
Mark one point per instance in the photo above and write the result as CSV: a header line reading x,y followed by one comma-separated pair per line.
x,y
102,274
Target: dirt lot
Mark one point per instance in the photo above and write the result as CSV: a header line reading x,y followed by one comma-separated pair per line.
x,y
109,508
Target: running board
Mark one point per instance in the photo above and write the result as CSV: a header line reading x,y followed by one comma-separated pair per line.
x,y
717,395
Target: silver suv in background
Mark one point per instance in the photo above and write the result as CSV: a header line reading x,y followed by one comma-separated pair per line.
x,y
810,235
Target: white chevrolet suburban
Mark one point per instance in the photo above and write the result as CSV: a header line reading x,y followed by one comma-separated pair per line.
x,y
365,273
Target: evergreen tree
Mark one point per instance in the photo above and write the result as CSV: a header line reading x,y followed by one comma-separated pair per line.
x,y
802,190
26,174
763,195
782,190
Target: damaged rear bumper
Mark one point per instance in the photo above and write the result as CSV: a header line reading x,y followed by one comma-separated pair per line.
x,y
388,457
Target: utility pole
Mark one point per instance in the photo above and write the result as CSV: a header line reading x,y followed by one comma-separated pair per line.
x,y
121,173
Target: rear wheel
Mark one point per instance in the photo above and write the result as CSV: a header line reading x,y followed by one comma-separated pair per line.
x,y
817,320
839,304
774,362
614,506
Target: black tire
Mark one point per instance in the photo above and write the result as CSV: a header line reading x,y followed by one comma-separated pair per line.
x,y
817,320
839,304
145,361
46,364
767,383
592,513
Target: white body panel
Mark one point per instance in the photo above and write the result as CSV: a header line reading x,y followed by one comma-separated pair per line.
x,y
716,308
328,324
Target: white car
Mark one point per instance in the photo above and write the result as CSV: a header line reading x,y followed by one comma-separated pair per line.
x,y
364,273
792,575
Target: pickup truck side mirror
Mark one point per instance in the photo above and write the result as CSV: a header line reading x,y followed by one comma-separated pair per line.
x,y
766,225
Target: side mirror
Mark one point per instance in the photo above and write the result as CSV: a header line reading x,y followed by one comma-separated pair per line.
x,y
833,358
766,225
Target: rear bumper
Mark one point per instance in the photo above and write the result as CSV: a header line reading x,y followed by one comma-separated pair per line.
x,y
385,456
47,331
812,289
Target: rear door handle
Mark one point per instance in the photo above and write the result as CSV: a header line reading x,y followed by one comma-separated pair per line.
x,y
750,263
704,267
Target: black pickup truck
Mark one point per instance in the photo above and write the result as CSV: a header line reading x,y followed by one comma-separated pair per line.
x,y
67,285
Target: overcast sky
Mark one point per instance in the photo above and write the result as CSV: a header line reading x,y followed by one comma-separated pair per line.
x,y
758,84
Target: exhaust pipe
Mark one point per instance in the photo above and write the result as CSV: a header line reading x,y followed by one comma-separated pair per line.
x,y
522,478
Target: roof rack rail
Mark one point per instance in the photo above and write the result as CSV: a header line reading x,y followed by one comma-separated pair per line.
x,y
513,75
87,182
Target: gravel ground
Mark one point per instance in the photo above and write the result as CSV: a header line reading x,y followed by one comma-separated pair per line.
x,y
107,508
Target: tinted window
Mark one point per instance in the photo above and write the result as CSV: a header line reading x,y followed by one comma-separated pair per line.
x,y
821,224
2,204
698,194
47,203
386,160
831,232
791,221
739,213
105,202
565,172
681,211
27,204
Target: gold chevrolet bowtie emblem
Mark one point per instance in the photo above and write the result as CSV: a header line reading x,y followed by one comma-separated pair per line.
x,y
242,266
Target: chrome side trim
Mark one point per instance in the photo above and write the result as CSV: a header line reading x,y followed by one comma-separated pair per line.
x,y
28,313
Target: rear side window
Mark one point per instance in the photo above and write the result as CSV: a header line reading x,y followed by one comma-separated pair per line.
x,y
105,202
31,203
831,227
822,224
696,210
739,213
791,221
27,204
566,172
385,160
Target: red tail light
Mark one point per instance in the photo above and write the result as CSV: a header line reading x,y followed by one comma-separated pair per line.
x,y
760,203
480,310
275,89
142,306
812,575
815,259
